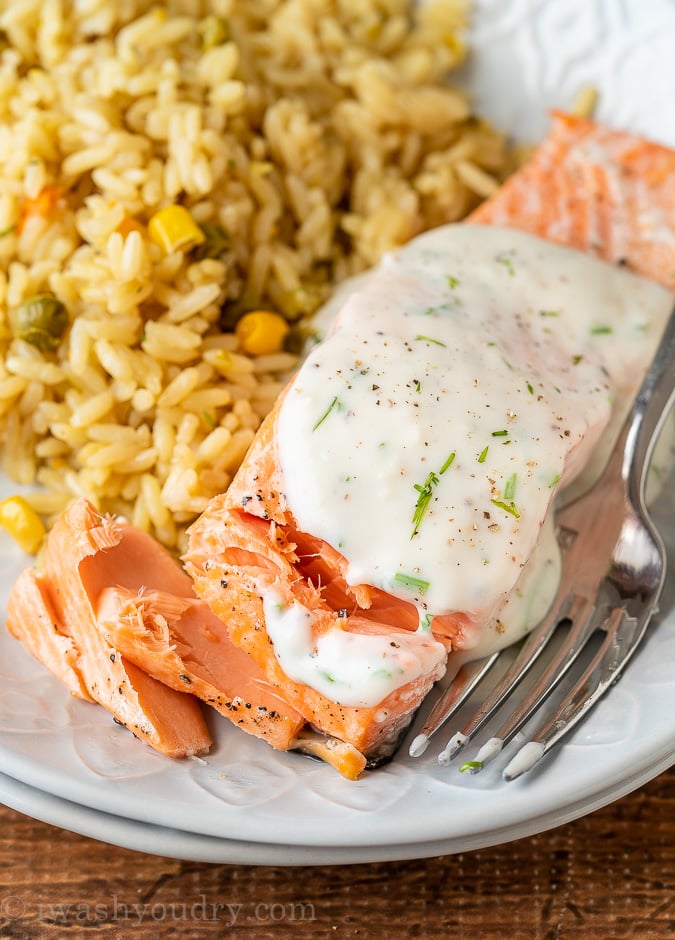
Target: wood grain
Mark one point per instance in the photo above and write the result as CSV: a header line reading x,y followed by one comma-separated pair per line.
x,y
608,876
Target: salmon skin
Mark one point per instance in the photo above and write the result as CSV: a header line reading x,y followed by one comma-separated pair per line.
x,y
599,191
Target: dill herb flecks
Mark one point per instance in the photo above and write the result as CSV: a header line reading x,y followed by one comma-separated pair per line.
x,y
507,507
335,404
430,339
507,264
425,491
510,487
448,463
410,581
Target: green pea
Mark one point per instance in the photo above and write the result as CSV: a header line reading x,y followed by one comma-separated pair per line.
x,y
41,321
214,31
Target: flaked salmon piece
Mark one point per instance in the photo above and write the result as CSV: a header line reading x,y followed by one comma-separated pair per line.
x,y
180,642
54,614
31,618
604,192
115,617
233,552
599,191
373,730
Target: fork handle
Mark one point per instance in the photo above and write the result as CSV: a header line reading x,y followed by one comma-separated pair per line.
x,y
648,414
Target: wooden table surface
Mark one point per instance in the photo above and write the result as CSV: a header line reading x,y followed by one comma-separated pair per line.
x,y
608,876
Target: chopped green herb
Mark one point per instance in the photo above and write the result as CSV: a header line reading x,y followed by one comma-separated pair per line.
x,y
530,388
507,263
483,454
601,330
425,491
507,507
554,480
507,364
575,361
216,242
510,488
472,766
336,403
452,281
448,463
425,623
410,581
7,231
503,433
209,419
429,339
549,313
382,444
434,311
418,385
327,676
382,674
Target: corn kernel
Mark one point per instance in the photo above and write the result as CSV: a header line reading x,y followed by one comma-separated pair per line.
x,y
174,229
22,522
261,332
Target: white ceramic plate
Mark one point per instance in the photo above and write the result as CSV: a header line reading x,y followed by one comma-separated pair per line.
x,y
66,762
176,843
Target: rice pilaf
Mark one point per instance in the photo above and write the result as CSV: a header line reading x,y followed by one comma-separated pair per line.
x,y
303,137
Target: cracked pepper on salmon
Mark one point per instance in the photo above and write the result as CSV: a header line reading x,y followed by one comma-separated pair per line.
x,y
396,507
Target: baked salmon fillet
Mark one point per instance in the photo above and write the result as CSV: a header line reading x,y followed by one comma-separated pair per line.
x,y
114,616
605,193
296,559
53,612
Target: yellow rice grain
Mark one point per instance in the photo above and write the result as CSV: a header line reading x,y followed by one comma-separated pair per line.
x,y
93,409
315,137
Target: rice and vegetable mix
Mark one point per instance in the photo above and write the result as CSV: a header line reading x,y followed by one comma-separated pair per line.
x,y
180,185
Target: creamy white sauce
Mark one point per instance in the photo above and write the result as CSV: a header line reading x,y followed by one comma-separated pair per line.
x,y
349,668
464,382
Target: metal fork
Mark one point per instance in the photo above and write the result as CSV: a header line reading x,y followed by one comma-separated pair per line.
x,y
613,569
